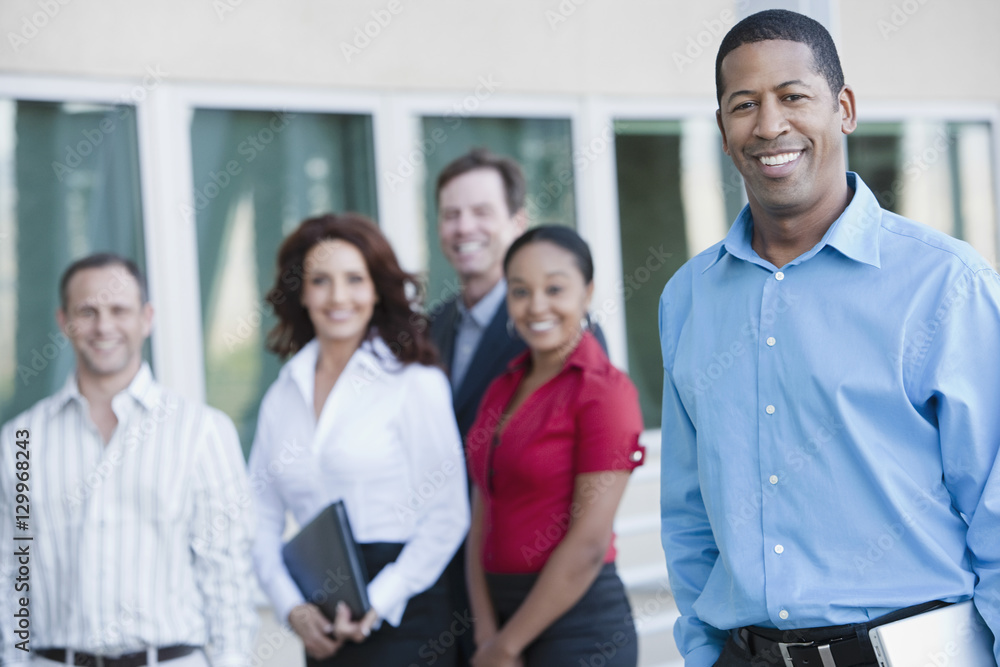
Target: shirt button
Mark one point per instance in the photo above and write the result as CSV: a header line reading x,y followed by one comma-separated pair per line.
x,y
771,341
783,614
769,409
773,479
778,549
779,276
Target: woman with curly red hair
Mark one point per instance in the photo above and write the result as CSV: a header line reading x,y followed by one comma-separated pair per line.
x,y
360,413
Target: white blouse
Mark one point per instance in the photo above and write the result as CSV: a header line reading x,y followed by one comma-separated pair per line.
x,y
386,443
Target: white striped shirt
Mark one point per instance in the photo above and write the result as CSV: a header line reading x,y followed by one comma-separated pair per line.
x,y
141,542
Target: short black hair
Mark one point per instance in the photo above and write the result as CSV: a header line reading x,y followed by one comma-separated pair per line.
x,y
97,261
562,236
784,25
514,185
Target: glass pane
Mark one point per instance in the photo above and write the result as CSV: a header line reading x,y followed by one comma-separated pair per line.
x,y
649,208
69,186
674,200
257,175
936,172
544,149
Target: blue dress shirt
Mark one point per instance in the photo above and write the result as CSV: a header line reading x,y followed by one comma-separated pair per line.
x,y
830,429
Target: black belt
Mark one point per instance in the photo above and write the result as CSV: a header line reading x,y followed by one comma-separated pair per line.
x,y
137,659
834,646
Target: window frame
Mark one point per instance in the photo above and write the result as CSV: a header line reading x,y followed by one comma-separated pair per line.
x,y
163,124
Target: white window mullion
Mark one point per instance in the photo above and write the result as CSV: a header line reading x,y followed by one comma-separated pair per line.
x,y
399,168
597,218
171,240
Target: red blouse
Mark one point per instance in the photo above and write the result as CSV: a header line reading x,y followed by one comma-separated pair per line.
x,y
584,420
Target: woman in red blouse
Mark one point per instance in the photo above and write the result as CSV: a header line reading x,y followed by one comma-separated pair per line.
x,y
550,454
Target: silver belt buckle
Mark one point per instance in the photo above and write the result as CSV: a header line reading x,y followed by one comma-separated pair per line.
x,y
825,654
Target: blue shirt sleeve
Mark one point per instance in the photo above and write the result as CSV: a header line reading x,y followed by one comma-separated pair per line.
x,y
958,377
687,536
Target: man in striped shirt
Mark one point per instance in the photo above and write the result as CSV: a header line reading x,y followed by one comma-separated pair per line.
x,y
126,507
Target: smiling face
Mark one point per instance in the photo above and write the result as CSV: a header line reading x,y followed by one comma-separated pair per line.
x,y
474,225
547,297
106,322
338,292
784,130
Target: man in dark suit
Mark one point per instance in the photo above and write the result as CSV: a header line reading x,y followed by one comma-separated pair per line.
x,y
480,212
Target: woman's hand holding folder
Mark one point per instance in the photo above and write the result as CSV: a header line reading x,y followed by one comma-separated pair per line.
x,y
323,638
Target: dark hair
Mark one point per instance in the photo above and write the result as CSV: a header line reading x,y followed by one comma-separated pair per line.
x,y
562,236
785,25
395,318
96,261
515,188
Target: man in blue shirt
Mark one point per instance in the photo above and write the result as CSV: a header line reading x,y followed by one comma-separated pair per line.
x,y
831,410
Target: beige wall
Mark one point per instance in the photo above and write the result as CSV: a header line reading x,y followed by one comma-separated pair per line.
x,y
939,50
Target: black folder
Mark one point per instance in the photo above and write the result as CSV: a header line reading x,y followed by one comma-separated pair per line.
x,y
326,563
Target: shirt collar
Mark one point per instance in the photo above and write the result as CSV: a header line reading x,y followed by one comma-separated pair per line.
x,y
301,368
143,388
483,311
854,234
586,354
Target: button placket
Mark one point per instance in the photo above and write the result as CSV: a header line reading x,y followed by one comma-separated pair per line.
x,y
772,437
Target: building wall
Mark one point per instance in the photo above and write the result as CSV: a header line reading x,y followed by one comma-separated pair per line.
x,y
629,85
892,49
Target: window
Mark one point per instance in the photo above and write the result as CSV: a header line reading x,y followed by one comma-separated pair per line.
x,y
676,197
69,186
541,145
937,172
257,175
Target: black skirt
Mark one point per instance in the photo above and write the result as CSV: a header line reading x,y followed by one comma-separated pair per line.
x,y
424,636
597,631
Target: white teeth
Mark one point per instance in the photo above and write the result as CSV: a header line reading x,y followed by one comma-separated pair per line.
x,y
472,246
775,160
105,344
542,326
340,314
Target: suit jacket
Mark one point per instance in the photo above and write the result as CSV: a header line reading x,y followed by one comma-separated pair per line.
x,y
495,351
